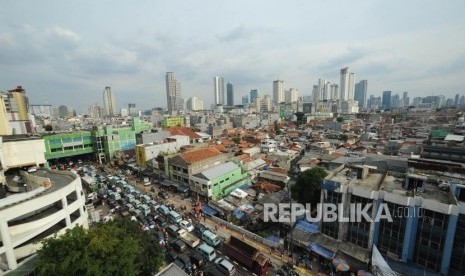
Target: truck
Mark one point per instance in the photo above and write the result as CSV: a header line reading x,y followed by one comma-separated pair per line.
x,y
247,255
191,240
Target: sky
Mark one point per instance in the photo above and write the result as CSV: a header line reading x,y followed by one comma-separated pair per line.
x,y
66,52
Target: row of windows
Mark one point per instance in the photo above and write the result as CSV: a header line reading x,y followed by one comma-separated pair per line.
x,y
458,251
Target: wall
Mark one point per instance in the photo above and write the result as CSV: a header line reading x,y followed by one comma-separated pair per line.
x,y
22,153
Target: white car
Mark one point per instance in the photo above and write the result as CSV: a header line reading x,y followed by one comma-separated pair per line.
x,y
32,169
186,225
225,266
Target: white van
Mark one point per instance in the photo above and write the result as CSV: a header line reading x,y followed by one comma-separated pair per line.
x,y
209,238
174,217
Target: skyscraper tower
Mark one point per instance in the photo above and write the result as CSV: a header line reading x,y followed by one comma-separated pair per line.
x,y
278,92
230,94
406,99
386,100
174,100
253,95
109,102
218,89
347,84
361,93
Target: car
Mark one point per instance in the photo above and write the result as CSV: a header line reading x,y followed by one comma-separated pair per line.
x,y
170,256
161,222
197,259
225,266
163,194
183,262
172,229
187,225
179,245
92,195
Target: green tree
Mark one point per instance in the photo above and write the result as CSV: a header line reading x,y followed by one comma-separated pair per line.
x,y
340,119
115,248
300,116
307,187
277,130
48,127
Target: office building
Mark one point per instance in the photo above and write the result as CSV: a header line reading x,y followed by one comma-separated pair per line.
x,y
361,93
395,101
17,106
229,94
334,92
5,128
406,99
194,104
41,110
218,90
291,95
278,92
386,100
347,86
253,95
109,102
245,100
174,100
63,111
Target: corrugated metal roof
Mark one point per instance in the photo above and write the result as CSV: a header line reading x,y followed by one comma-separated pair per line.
x,y
172,270
217,171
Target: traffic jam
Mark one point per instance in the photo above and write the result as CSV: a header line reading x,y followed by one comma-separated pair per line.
x,y
184,233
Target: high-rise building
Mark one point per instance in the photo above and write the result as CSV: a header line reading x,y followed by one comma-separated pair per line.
x,y
334,92
218,89
245,100
315,93
292,95
405,99
194,104
109,102
16,105
278,92
457,98
41,110
361,93
253,95
386,100
347,86
395,101
265,104
174,100
230,94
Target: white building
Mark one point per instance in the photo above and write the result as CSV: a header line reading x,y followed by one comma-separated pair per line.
x,y
109,102
194,104
278,92
292,95
174,100
218,90
347,86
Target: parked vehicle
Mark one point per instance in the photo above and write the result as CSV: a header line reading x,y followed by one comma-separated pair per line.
x,y
162,209
187,225
197,259
179,245
144,209
174,217
247,255
172,230
199,229
213,271
183,262
209,238
225,266
206,251
147,181
188,238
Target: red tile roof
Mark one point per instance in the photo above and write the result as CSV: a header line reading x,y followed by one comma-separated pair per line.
x,y
183,131
199,155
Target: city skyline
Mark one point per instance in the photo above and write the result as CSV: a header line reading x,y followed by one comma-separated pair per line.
x,y
49,53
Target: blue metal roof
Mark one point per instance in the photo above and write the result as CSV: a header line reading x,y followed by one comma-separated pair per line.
x,y
273,239
206,209
308,227
320,250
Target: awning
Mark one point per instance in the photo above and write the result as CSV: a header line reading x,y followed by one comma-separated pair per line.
x,y
320,250
207,210
308,227
183,188
166,183
273,239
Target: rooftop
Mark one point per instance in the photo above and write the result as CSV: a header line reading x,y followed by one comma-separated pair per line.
x,y
217,171
183,131
199,155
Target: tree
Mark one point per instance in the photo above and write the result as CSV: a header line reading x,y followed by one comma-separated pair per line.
x,y
340,119
48,127
307,187
300,116
115,248
277,130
